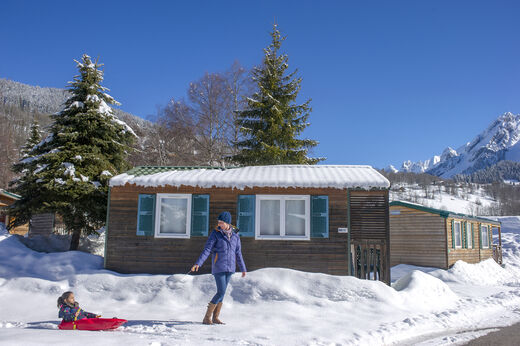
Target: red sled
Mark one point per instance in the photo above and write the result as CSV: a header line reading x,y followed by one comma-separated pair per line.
x,y
92,324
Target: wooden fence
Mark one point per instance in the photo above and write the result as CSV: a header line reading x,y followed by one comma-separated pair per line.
x,y
369,260
41,224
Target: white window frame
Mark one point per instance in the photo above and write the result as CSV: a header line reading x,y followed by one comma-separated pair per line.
x,y
487,236
282,199
469,235
460,234
157,226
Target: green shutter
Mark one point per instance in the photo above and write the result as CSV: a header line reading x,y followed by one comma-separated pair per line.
x,y
146,215
472,236
246,215
319,216
490,234
452,236
199,215
464,235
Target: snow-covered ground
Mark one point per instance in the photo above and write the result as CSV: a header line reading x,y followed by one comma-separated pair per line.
x,y
466,201
268,307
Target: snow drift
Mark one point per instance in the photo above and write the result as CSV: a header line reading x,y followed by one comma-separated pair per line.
x,y
268,306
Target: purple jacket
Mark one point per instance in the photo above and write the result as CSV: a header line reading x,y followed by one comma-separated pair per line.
x,y
68,313
225,252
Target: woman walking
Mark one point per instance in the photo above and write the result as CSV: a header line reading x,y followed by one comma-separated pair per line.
x,y
224,245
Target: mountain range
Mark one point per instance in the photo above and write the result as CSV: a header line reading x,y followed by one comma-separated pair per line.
x,y
500,141
50,100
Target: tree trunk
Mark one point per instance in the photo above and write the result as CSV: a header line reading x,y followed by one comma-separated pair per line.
x,y
74,241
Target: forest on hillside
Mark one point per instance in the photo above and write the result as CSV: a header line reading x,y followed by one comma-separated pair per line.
x,y
429,187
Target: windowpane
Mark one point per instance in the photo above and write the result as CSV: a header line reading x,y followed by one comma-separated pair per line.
x,y
469,236
458,238
484,236
269,217
295,217
173,215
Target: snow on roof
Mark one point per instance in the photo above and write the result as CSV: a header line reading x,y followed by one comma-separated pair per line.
x,y
319,176
441,212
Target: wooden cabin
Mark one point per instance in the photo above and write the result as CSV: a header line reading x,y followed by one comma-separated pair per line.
x,y
431,237
325,218
6,199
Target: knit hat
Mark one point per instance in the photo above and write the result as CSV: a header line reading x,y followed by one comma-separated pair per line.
x,y
225,216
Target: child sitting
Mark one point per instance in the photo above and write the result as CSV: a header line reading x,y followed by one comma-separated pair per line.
x,y
70,310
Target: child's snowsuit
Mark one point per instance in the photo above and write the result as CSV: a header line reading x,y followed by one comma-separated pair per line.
x,y
73,313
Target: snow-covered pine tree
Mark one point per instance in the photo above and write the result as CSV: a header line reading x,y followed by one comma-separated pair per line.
x,y
85,147
25,185
272,121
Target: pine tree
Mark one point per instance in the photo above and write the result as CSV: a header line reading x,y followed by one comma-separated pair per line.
x,y
272,121
85,147
26,185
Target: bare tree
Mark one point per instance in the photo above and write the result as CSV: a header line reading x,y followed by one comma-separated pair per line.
x,y
210,99
176,130
240,84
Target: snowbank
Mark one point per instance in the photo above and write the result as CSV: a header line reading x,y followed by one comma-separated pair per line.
x,y
418,288
94,243
485,273
268,306
3,229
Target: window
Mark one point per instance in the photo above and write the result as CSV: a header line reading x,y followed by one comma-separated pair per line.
x,y
146,215
457,232
484,236
469,235
282,217
173,215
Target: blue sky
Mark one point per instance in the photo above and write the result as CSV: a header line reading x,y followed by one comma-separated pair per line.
x,y
389,80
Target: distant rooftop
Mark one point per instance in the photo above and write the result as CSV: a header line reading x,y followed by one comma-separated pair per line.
x,y
443,213
311,176
9,194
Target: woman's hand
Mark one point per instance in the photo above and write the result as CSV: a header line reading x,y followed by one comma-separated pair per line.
x,y
195,268
243,274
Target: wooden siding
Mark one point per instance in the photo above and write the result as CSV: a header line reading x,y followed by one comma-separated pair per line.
x,y
7,200
472,255
126,252
5,218
369,215
417,238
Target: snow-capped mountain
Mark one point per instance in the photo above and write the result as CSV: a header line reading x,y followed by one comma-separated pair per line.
x,y
391,168
419,166
49,100
500,141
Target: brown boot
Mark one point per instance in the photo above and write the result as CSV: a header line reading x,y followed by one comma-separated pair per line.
x,y
207,317
216,313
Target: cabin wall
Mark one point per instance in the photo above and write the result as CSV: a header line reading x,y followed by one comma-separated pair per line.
x,y
417,237
5,218
470,255
128,253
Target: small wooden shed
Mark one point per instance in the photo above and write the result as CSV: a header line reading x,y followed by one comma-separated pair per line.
x,y
325,218
431,237
6,199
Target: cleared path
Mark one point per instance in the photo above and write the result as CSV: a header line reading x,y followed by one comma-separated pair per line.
x,y
505,336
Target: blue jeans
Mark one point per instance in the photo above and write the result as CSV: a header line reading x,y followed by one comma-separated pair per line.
x,y
222,280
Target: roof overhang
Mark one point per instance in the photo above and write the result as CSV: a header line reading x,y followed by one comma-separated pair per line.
x,y
281,176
